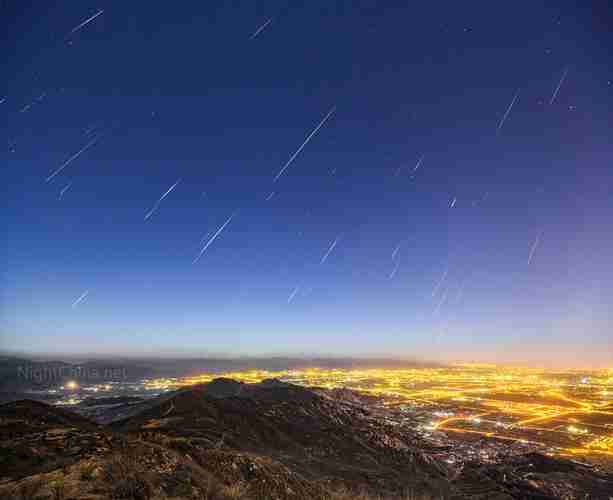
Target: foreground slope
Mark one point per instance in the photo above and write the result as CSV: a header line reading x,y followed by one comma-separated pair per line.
x,y
35,437
322,438
270,440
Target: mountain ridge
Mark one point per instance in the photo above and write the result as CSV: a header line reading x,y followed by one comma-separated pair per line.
x,y
269,440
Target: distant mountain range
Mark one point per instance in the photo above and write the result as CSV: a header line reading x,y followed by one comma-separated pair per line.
x,y
271,440
18,374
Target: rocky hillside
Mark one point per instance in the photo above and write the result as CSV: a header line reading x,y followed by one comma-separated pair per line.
x,y
269,440
320,437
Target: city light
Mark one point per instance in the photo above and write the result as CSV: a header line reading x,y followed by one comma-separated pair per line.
x,y
529,407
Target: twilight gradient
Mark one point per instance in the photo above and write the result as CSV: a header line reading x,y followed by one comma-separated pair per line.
x,y
183,92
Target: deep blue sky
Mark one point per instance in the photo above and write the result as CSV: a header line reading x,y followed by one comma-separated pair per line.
x,y
183,91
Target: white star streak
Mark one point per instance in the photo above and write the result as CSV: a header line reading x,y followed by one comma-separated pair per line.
x,y
73,157
440,282
64,189
87,21
289,162
506,113
442,301
325,257
80,299
213,238
260,29
534,247
204,237
293,294
395,270
453,203
421,158
395,252
157,203
555,93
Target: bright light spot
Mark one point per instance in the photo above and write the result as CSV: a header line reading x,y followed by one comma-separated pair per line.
x,y
576,430
71,385
443,414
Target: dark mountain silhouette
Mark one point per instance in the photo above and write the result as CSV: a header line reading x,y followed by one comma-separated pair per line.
x,y
35,437
316,435
27,416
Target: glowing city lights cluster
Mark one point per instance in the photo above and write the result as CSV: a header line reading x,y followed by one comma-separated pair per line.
x,y
565,412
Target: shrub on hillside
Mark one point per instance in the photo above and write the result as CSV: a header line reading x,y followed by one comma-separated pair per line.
x,y
124,478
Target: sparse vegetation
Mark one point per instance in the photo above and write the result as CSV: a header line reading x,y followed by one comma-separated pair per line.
x,y
28,490
210,490
156,437
346,494
126,479
87,471
58,489
237,491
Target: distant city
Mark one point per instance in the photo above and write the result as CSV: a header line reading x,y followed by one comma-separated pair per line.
x,y
467,410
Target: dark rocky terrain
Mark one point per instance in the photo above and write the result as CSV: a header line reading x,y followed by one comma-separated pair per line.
x,y
270,440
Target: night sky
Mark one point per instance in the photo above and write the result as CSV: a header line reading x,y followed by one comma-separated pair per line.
x,y
455,203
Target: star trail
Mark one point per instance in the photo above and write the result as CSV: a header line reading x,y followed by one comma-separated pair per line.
x,y
401,162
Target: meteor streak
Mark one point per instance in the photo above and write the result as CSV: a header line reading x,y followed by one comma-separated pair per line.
x,y
73,157
87,21
440,282
64,189
442,301
213,238
555,93
260,29
157,203
293,294
395,270
323,259
421,158
289,162
506,113
534,247
80,299
204,237
395,252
